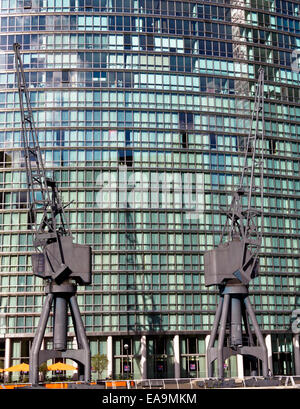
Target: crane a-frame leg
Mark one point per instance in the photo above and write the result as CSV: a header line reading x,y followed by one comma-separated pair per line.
x,y
60,296
233,308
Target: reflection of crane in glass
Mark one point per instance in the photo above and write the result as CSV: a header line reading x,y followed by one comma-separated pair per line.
x,y
58,260
296,330
133,258
234,262
131,240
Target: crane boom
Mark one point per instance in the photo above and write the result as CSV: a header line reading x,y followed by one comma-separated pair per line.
x,y
43,192
58,257
241,235
243,219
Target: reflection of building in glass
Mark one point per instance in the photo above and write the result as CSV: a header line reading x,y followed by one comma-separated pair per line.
x,y
163,89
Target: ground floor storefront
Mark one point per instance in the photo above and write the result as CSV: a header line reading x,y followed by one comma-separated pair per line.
x,y
159,356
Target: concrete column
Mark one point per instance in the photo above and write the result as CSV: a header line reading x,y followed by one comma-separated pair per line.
x,y
74,343
143,364
75,364
268,341
296,353
240,366
110,356
207,338
7,357
176,356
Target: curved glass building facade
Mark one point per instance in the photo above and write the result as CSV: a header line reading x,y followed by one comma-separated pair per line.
x,y
142,109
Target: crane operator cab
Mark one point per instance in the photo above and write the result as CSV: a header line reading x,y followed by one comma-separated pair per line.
x,y
76,263
230,260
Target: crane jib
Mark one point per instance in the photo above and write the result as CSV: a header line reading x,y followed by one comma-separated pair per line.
x,y
53,230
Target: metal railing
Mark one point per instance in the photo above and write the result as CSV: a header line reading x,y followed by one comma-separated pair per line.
x,y
279,381
206,383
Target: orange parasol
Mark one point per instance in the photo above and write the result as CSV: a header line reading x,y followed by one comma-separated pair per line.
x,y
18,368
60,366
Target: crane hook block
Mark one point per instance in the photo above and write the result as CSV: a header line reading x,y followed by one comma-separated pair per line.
x,y
64,259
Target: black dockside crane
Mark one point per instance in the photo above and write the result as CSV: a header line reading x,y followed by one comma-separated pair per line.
x,y
59,261
233,264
